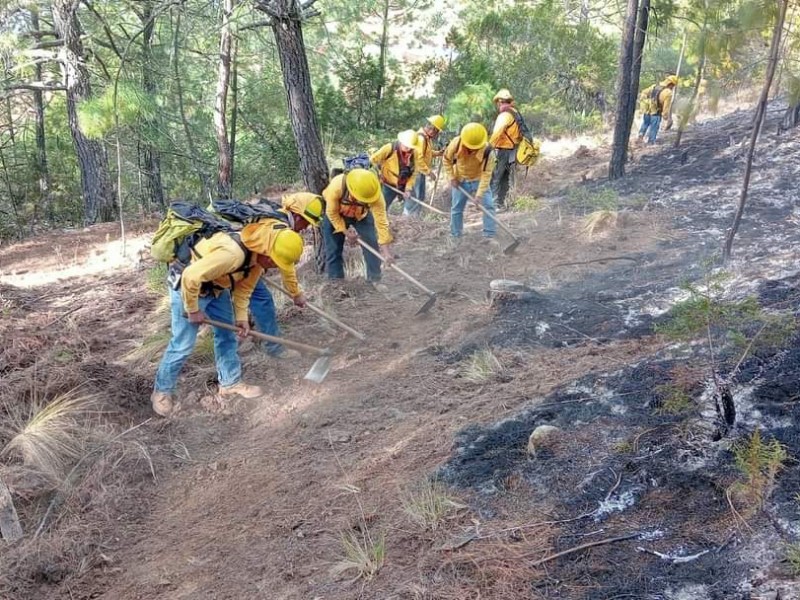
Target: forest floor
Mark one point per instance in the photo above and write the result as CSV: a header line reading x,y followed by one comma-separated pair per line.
x,y
415,448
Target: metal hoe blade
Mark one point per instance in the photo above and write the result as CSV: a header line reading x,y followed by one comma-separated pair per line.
x,y
319,370
427,306
512,246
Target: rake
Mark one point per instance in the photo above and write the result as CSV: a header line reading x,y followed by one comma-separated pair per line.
x,y
418,201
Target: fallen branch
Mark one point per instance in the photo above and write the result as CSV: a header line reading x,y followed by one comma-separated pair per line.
x,y
595,260
675,560
568,551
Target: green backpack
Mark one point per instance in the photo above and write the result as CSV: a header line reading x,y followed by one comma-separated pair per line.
x,y
184,225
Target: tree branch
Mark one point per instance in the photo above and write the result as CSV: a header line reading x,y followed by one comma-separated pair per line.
x,y
37,87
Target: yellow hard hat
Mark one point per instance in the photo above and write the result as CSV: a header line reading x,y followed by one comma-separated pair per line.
x,y
503,94
363,185
671,80
408,138
474,136
437,121
309,206
287,249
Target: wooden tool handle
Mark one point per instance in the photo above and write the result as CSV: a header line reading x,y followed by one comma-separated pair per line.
x,y
485,211
271,338
420,202
320,312
396,268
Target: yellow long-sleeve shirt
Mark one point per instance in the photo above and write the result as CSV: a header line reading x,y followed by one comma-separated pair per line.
x,y
219,259
387,159
506,133
424,153
650,106
333,209
463,164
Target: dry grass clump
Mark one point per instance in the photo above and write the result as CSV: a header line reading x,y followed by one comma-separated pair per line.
x,y
428,504
150,349
363,554
481,366
599,221
51,436
759,462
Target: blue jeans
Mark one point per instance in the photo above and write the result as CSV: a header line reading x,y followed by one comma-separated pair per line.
x,y
389,195
184,334
411,208
650,126
459,202
262,307
334,247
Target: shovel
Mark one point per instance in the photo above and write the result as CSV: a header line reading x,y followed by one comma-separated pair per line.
x,y
315,309
418,201
517,241
431,294
318,371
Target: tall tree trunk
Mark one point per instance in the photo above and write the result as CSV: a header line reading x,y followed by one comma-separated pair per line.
x,y
42,171
150,156
619,152
205,179
234,106
761,110
224,159
297,81
639,40
98,195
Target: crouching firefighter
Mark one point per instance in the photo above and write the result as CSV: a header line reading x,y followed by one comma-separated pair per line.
x,y
212,273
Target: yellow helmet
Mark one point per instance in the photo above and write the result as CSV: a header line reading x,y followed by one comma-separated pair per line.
x,y
314,210
504,95
363,185
408,138
437,121
671,80
474,136
287,249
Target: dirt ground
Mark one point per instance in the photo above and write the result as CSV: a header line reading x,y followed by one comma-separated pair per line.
x,y
253,499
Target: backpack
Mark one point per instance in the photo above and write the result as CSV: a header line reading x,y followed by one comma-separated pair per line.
x,y
184,225
528,148
359,161
240,212
655,100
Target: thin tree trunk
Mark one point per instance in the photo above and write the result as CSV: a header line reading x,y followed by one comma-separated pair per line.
x,y
761,110
234,106
224,159
384,47
42,171
201,174
96,186
150,156
698,79
678,74
619,153
638,51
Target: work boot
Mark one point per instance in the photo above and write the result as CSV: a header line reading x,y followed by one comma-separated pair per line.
x,y
162,402
285,353
241,389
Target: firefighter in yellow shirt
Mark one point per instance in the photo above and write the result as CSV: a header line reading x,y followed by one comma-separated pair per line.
x,y
656,102
425,153
354,207
506,135
218,282
396,162
468,161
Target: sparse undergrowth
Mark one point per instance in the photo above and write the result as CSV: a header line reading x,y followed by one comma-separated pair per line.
x,y
481,366
759,463
428,504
